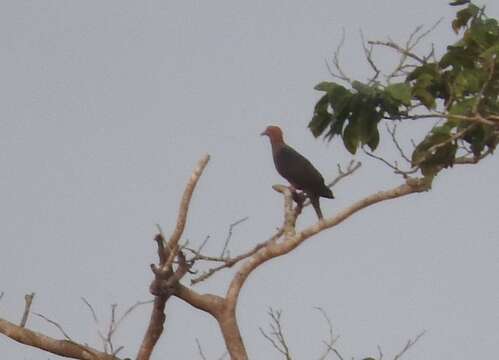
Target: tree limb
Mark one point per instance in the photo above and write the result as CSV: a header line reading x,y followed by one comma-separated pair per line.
x,y
65,348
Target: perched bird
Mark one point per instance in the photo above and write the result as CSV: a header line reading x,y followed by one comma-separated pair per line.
x,y
295,168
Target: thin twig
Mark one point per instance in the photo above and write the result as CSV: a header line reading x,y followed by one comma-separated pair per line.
x,y
395,168
92,310
276,337
229,262
332,339
200,349
59,327
427,32
370,61
410,343
397,47
393,133
97,324
129,311
380,353
352,167
28,300
336,61
229,233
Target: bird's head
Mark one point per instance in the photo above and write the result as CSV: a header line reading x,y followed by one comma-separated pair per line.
x,y
274,133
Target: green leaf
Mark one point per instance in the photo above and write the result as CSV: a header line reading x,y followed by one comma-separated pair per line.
x,y
400,92
464,107
459,2
351,136
434,153
321,118
364,89
325,86
426,98
463,16
373,141
489,54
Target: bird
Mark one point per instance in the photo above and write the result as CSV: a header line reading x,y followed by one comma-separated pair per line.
x,y
297,169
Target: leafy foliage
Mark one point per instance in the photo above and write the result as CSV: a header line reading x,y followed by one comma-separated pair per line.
x,y
462,87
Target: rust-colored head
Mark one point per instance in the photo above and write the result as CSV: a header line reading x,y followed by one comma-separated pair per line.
x,y
274,133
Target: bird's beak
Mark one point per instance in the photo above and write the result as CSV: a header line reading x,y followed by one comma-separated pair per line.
x,y
264,133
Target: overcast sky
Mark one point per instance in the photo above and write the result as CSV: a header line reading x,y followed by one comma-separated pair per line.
x,y
107,105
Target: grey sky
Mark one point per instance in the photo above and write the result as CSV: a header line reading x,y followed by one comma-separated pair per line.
x,y
106,107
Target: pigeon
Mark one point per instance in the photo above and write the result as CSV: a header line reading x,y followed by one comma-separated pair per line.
x,y
297,170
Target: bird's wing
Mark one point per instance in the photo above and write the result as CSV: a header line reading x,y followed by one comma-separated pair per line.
x,y
295,168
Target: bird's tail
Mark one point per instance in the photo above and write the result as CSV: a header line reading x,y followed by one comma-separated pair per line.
x,y
326,192
317,207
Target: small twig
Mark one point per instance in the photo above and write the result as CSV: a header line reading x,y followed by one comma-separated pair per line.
x,y
229,234
336,61
352,167
368,56
427,32
129,311
96,321
28,300
92,310
410,343
1,294
462,160
393,134
59,327
200,349
115,352
396,169
276,337
229,262
397,47
380,353
332,339
203,244
109,336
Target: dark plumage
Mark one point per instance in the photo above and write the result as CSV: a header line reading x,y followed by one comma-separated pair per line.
x,y
295,168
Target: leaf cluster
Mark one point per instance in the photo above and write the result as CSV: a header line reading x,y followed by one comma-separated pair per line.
x,y
461,87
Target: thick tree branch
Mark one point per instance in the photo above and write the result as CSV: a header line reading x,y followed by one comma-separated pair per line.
x,y
278,249
166,279
210,303
64,348
182,212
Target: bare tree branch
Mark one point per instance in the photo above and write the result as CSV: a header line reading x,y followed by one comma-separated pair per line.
x,y
65,348
270,251
165,278
182,212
